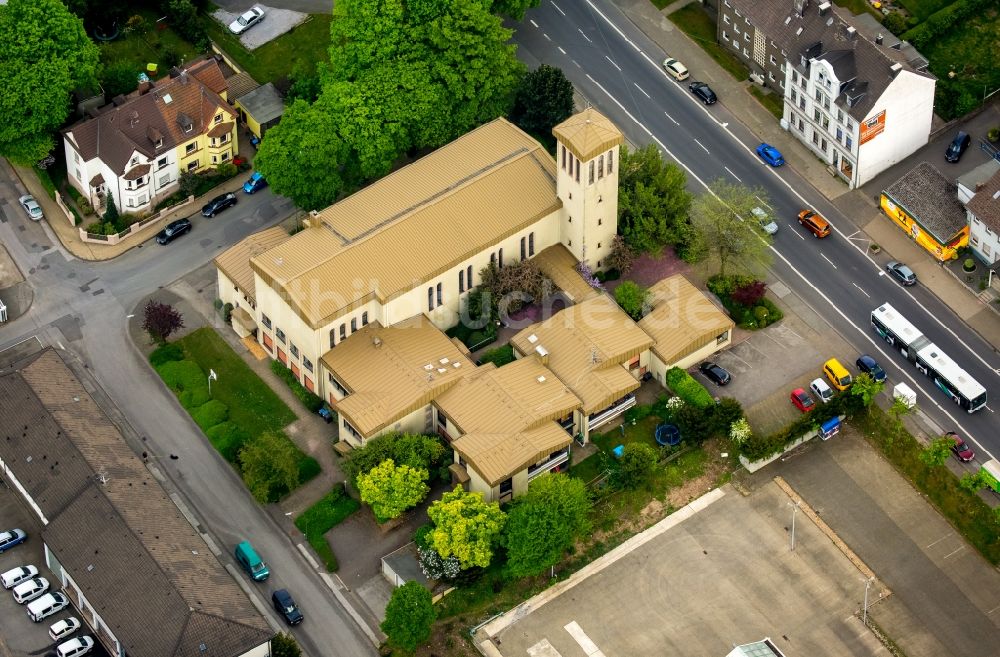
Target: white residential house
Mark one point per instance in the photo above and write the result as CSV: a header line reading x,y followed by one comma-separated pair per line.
x,y
984,220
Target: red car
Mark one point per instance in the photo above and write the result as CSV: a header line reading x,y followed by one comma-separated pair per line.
x,y
802,400
961,449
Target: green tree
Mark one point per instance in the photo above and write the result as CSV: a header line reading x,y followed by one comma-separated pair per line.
x,y
414,450
270,466
465,526
974,481
653,202
409,616
866,389
937,452
119,78
635,466
544,99
731,243
390,489
46,54
111,214
513,8
633,299
545,522
284,645
622,256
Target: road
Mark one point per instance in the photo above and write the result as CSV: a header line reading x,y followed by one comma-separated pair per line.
x,y
82,307
617,68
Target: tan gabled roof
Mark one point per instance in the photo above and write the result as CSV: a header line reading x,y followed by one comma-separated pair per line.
x,y
392,371
587,346
588,134
683,319
235,261
559,264
497,457
415,224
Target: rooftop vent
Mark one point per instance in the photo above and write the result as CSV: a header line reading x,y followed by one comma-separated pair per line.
x,y
456,364
532,338
444,361
996,195
429,367
541,379
167,99
895,69
541,351
824,8
879,38
377,341
851,32
442,370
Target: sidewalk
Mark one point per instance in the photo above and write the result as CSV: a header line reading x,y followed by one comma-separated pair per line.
x,y
861,206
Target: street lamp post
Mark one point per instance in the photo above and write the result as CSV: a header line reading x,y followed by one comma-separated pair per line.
x,y
864,613
795,510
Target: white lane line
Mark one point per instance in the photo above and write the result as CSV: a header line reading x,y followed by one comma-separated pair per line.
x,y
642,90
759,199
862,291
561,51
828,260
589,647
796,232
543,649
932,398
584,35
955,551
672,119
533,23
558,9
733,175
791,188
948,535
617,67
547,37
702,146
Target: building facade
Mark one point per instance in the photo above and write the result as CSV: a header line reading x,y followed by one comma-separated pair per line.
x,y
984,220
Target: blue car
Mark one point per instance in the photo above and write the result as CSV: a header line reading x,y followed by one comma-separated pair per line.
x,y
10,538
255,183
770,154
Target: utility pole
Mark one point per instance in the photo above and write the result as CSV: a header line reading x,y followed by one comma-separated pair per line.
x,y
795,510
864,613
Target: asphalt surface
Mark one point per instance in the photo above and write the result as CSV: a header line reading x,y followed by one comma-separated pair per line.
x,y
618,68
83,307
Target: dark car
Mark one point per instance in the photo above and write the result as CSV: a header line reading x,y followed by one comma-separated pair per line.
x,y
10,538
901,273
961,449
868,365
717,374
283,603
218,204
173,230
770,154
704,92
957,147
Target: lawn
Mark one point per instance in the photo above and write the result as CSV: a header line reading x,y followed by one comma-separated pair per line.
x,y
922,9
323,516
307,43
972,51
156,46
697,24
858,7
771,101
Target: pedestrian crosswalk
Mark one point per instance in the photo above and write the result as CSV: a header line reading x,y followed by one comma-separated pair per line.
x,y
545,649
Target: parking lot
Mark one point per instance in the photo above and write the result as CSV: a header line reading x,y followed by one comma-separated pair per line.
x,y
19,636
276,22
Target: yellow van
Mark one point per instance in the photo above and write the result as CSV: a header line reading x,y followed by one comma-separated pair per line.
x,y
839,377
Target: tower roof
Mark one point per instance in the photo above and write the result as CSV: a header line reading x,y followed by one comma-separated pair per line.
x,y
587,134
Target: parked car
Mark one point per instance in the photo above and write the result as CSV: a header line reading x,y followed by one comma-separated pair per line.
x,y
802,400
676,70
961,449
822,391
869,366
10,538
901,273
63,628
47,605
770,154
30,589
15,576
246,20
173,230
326,414
282,601
767,224
814,223
704,92
31,206
715,373
218,204
75,647
255,183
837,374
957,147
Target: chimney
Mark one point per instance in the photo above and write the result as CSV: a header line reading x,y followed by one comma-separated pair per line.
x,y
800,7
878,39
824,8
851,33
895,69
144,87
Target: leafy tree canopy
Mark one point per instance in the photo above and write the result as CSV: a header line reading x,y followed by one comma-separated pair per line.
x,y
723,221
545,522
653,202
161,320
409,616
46,54
633,299
544,99
390,489
513,8
465,526
284,645
414,450
270,466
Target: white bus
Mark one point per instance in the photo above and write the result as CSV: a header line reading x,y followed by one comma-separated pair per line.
x,y
928,358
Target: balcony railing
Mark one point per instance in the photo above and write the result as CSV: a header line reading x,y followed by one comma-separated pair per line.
x,y
611,412
553,462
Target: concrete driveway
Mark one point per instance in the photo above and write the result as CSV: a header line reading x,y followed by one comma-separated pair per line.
x,y
276,22
237,7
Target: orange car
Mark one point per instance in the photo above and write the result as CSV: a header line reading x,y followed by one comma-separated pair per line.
x,y
816,224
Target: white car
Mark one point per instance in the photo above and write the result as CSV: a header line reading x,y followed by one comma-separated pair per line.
x,y
821,390
31,206
31,589
676,70
249,18
63,628
767,224
75,647
15,576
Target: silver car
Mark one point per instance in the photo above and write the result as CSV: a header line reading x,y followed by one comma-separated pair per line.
x,y
767,224
247,20
31,206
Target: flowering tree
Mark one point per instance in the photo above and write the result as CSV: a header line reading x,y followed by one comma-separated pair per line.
x,y
390,489
739,431
466,527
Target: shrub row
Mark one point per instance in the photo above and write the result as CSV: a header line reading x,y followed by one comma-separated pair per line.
x,y
944,20
310,400
762,313
323,516
760,447
687,388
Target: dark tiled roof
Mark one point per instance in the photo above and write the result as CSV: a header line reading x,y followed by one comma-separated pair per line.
x,y
825,36
136,172
240,85
97,180
986,203
140,559
221,129
931,199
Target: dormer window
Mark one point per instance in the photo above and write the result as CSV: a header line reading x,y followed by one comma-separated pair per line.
x,y
158,144
218,118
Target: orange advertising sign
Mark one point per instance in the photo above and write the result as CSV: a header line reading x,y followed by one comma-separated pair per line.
x,y
872,127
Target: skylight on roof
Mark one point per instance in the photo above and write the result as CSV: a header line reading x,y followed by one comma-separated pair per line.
x,y
167,99
532,338
428,367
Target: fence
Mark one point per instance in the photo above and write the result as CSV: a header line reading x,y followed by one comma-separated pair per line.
x,y
138,226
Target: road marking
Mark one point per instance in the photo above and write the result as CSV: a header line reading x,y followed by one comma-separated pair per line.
x,y
865,335
559,48
955,551
547,37
795,232
759,199
533,23
584,35
543,649
828,260
733,174
558,9
309,557
619,68
642,90
589,647
948,535
702,146
672,119
862,291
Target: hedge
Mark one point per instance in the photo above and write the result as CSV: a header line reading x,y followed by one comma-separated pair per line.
x,y
309,400
187,380
165,354
210,413
687,388
499,356
944,20
323,516
760,447
227,438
